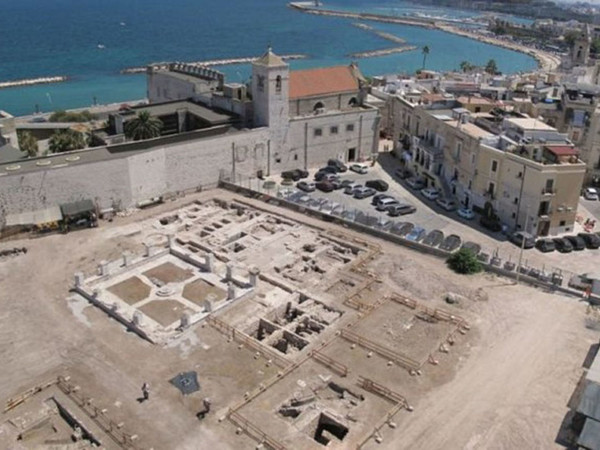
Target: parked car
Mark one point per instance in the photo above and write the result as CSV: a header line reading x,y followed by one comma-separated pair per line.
x,y
290,175
563,245
329,169
339,165
522,238
378,185
473,247
491,223
364,192
416,234
545,245
324,186
336,183
430,193
447,203
352,188
378,197
347,183
306,186
326,177
577,242
434,238
590,193
416,182
400,210
466,213
383,204
359,168
320,176
592,240
451,243
402,174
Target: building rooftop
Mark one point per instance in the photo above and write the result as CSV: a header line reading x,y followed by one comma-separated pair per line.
x,y
474,100
471,129
314,82
530,124
211,116
270,59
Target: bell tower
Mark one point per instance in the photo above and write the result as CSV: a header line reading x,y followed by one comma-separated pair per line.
x,y
581,48
270,91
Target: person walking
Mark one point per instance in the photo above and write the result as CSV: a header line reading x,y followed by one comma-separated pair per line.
x,y
146,390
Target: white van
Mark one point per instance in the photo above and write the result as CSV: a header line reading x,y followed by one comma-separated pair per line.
x,y
385,203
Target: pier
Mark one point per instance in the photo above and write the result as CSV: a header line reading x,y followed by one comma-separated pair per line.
x,y
32,81
383,52
214,62
381,34
411,21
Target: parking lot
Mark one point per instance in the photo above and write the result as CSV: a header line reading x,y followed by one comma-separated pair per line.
x,y
432,217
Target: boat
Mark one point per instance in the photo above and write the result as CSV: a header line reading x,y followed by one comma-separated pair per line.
x,y
101,46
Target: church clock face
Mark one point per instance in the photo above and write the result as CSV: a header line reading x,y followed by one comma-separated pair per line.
x,y
261,82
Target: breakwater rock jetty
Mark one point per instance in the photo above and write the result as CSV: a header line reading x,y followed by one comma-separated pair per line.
x,y
214,62
32,81
309,8
381,34
383,52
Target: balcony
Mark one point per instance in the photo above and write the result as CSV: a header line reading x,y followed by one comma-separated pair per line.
x,y
548,191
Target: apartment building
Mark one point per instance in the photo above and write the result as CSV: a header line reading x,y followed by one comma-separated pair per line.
x,y
528,172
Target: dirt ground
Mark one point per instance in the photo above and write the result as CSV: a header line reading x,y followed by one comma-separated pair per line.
x,y
169,273
197,291
131,290
165,311
503,386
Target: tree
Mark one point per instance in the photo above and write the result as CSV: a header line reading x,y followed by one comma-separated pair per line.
x,y
143,126
28,143
491,67
72,116
66,140
466,66
595,47
425,52
464,261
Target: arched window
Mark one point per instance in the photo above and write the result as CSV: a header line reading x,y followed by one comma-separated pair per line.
x,y
278,84
318,105
353,101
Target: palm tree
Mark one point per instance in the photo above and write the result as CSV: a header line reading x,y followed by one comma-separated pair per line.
x,y
66,140
491,67
143,126
466,66
425,52
28,143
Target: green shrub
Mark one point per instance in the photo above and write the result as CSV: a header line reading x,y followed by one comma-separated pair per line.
x,y
464,261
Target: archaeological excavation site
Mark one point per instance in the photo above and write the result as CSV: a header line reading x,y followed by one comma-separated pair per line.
x,y
226,322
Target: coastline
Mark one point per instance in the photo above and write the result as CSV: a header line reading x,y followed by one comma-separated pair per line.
x,y
545,60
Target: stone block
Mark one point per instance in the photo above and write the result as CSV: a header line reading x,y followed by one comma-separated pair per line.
x,y
79,279
103,268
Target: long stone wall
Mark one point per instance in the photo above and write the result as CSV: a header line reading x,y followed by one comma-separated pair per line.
x,y
134,176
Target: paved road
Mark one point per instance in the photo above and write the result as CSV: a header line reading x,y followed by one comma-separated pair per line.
x,y
430,216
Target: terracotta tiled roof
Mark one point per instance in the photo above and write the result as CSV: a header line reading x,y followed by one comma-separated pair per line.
x,y
314,82
562,150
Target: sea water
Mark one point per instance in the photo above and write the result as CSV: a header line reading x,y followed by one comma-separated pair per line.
x,y
91,41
